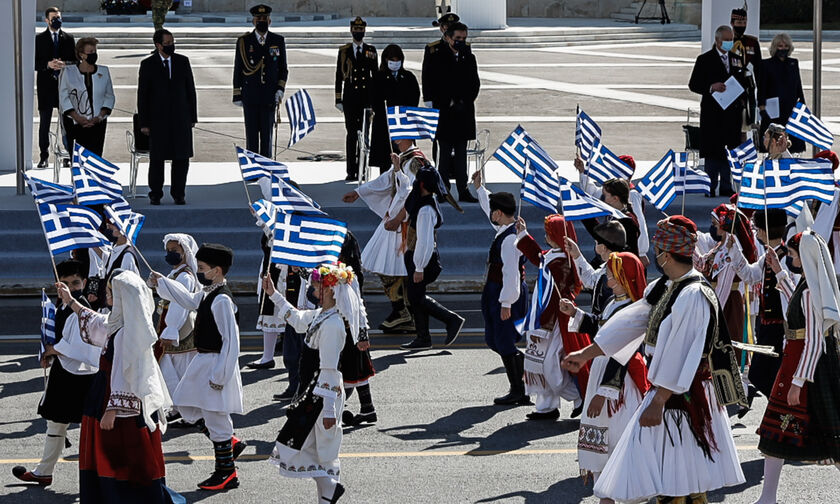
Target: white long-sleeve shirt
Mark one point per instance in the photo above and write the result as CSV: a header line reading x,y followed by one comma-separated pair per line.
x,y
176,315
588,275
76,355
128,261
426,220
510,255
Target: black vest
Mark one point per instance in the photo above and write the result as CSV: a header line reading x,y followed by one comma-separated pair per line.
x,y
494,259
771,299
795,319
208,339
118,261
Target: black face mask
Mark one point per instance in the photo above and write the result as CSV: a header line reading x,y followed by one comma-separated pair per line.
x,y
310,296
739,31
459,45
55,24
109,235
358,36
169,50
262,26
793,269
91,58
203,280
782,53
77,294
173,258
713,232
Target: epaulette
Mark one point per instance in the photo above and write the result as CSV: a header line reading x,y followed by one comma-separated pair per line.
x,y
433,44
244,34
345,46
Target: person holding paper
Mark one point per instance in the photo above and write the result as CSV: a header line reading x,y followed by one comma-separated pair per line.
x,y
720,127
780,87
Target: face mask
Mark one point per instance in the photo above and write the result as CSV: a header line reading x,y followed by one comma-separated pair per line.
x,y
55,23
459,45
659,267
91,58
713,232
782,53
173,258
169,50
109,235
262,26
394,65
203,280
310,295
77,294
793,269
739,30
358,36
726,45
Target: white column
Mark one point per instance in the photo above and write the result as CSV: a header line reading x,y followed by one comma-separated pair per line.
x,y
8,142
482,14
719,12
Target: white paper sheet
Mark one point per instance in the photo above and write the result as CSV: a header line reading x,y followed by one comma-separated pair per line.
x,y
733,91
771,106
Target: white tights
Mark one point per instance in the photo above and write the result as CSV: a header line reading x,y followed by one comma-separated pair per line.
x,y
269,341
772,473
326,488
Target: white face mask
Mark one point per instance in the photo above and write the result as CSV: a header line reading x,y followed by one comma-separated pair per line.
x,y
394,65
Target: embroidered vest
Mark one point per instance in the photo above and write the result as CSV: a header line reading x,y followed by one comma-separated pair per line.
x,y
494,259
208,339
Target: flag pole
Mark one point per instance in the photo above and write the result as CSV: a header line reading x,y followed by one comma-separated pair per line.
x,y
49,251
141,257
524,173
244,184
563,213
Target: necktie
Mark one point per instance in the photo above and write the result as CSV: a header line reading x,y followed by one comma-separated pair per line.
x,y
166,68
55,43
358,52
725,59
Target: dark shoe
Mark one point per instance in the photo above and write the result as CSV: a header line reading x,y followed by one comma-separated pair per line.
x,y
22,474
453,329
548,415
287,395
182,425
172,417
180,201
43,163
261,365
238,447
453,321
67,163
363,418
154,201
347,418
751,393
515,369
397,317
577,411
467,198
351,178
220,480
417,344
339,491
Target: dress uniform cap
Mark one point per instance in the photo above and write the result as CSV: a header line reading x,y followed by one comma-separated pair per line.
x,y
358,23
261,9
449,18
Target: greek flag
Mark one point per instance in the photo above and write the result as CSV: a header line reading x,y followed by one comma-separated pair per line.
x,y
266,212
289,199
518,149
740,156
540,188
307,241
128,222
47,324
781,183
254,166
539,300
68,227
301,116
412,123
47,192
604,165
587,132
93,178
577,205
688,180
804,125
657,186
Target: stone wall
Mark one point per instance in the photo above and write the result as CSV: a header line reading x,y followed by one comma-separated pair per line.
x,y
565,8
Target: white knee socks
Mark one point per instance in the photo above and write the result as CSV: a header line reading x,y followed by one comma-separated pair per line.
x,y
269,340
772,472
56,432
326,488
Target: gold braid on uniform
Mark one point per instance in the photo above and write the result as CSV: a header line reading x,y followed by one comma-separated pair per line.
x,y
249,68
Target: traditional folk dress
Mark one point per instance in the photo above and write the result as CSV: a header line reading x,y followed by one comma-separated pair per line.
x,y
548,336
124,464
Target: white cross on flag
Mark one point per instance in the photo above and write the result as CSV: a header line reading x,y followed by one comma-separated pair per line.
x,y
307,241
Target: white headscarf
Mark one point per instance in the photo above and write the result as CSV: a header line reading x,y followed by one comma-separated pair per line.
x,y
132,312
818,267
350,306
189,245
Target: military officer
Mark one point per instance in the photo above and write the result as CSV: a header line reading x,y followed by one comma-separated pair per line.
x,y
745,57
354,71
259,79
429,52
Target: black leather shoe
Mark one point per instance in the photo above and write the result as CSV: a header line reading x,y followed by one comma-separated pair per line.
x,y
347,418
453,329
339,491
548,415
287,395
577,411
261,365
43,163
417,344
22,474
467,198
154,201
362,418
180,201
351,178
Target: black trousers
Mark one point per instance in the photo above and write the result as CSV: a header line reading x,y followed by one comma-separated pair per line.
x,y
259,125
92,139
453,165
44,124
353,113
719,169
178,187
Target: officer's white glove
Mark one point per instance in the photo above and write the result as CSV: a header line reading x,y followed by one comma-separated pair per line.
x,y
339,107
278,96
238,103
428,104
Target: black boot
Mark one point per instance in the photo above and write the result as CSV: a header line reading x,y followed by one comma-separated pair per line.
x,y
224,477
454,322
423,340
515,368
339,491
399,316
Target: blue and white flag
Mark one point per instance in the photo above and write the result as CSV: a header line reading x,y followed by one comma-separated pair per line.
x,y
540,188
577,205
518,148
412,123
266,212
128,222
301,116
604,165
48,192
93,178
307,241
539,300
587,133
289,199
740,156
47,324
688,180
255,167
657,186
806,126
781,183
68,227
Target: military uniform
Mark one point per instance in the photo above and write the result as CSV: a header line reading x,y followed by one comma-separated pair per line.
x,y
159,10
746,51
354,71
259,73
429,54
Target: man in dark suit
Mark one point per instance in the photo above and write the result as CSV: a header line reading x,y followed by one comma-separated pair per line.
x,y
167,112
259,79
719,129
53,49
354,73
453,89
